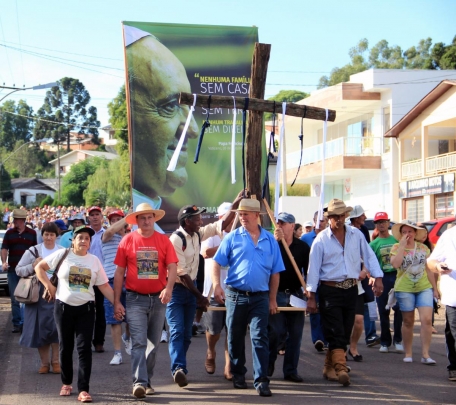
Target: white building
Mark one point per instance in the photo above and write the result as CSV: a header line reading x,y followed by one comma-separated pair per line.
x,y
106,134
361,166
76,156
28,190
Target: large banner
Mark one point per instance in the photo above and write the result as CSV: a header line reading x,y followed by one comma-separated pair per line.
x,y
163,60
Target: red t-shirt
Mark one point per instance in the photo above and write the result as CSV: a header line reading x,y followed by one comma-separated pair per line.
x,y
146,260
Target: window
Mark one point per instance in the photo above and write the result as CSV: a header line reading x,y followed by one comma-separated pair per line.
x,y
444,205
414,209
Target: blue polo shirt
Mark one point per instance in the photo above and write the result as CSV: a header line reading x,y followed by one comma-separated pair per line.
x,y
309,238
250,266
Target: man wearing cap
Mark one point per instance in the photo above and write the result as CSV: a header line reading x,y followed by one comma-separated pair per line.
x,y
308,226
254,261
110,242
291,323
62,229
382,247
15,242
149,281
357,219
75,222
334,269
181,310
214,320
96,223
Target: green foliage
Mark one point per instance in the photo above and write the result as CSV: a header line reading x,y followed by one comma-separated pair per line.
x,y
14,124
25,161
48,200
299,190
384,56
5,185
67,106
118,119
291,96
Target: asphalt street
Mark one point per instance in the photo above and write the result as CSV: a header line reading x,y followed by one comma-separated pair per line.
x,y
379,379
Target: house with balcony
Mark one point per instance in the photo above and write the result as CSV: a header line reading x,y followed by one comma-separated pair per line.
x,y
361,165
426,137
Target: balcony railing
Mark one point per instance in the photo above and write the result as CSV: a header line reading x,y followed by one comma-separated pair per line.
x,y
412,169
347,146
441,163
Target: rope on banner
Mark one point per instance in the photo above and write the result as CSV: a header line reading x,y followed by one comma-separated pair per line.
x,y
233,144
301,139
206,124
244,123
177,151
322,186
270,155
280,160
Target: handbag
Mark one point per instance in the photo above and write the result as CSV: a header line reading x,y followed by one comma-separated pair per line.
x,y
28,288
54,279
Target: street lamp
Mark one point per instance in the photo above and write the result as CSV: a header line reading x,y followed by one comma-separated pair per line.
x,y
39,87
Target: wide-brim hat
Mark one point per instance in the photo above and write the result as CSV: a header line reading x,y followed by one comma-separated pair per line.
x,y
356,212
396,229
337,207
250,205
141,209
19,214
77,216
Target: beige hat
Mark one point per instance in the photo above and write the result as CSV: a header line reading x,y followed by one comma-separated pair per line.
x,y
249,204
337,207
396,229
141,209
19,214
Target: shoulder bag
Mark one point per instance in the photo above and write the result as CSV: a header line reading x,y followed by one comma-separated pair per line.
x,y
54,279
28,288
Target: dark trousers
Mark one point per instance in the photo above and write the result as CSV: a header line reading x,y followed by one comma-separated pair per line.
x,y
75,321
100,319
337,309
450,336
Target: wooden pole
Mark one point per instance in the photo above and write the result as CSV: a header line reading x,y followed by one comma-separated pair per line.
x,y
287,249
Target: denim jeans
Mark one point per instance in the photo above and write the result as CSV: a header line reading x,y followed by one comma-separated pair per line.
x,y
315,326
280,324
17,310
242,310
71,322
146,316
180,313
389,279
450,336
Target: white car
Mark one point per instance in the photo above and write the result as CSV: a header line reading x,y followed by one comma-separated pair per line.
x,y
3,274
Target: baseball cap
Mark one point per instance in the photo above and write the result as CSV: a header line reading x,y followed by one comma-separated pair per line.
x,y
286,217
224,208
307,223
94,208
381,216
188,211
84,228
120,213
356,212
61,224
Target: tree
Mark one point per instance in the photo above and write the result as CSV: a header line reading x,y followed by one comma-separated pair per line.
x,y
66,106
16,123
444,56
291,96
25,160
118,118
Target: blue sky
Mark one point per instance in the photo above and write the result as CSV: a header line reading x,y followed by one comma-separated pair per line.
x,y
308,38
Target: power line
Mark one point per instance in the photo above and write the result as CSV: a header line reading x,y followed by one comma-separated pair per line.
x,y
6,51
19,36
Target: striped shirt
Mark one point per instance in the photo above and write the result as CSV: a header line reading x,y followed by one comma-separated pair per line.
x,y
330,261
16,244
109,250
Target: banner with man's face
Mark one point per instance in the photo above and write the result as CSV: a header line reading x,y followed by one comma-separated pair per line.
x,y
163,60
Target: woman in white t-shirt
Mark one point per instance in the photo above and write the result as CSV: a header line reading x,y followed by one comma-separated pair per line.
x,y
74,309
39,325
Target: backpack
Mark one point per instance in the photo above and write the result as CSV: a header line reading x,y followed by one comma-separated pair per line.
x,y
184,240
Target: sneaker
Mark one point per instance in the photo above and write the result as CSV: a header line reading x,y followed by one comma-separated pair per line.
x,y
164,337
201,329
149,390
428,361
383,349
373,341
127,343
180,378
319,346
139,391
452,375
407,360
116,360
399,348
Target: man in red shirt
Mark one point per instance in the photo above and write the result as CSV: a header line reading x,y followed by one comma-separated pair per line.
x,y
152,271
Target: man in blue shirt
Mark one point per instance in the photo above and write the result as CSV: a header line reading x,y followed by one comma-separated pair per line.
x,y
254,261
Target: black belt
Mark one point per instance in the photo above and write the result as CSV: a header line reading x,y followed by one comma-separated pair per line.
x,y
290,291
145,295
248,293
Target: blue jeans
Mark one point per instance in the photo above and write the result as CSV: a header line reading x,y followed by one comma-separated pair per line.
x,y
389,279
280,324
17,310
146,316
180,313
315,326
242,310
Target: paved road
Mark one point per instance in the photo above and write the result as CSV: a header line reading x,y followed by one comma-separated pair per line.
x,y
380,379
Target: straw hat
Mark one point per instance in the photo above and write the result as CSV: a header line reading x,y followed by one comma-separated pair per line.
x,y
141,209
249,204
19,214
337,207
396,229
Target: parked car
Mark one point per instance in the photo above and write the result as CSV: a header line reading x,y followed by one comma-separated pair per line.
x,y
3,274
436,227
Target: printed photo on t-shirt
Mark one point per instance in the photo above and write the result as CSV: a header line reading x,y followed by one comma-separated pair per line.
x,y
79,279
385,255
147,263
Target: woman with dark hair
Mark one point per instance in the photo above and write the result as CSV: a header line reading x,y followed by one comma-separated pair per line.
x,y
39,330
297,232
74,309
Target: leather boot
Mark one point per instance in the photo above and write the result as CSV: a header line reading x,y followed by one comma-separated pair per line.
x,y
328,370
339,363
